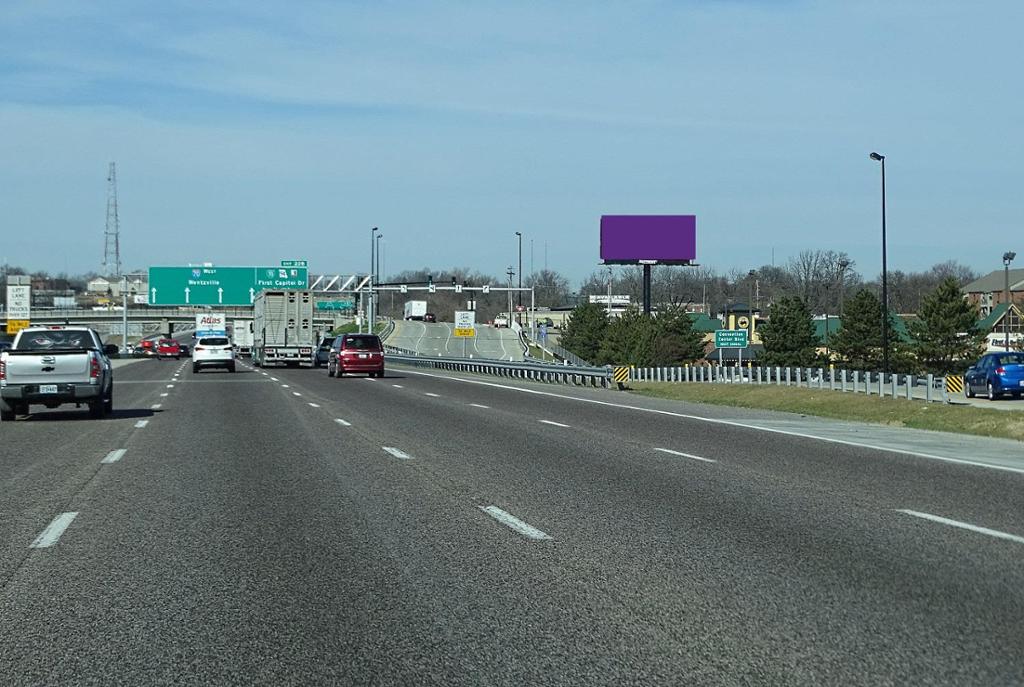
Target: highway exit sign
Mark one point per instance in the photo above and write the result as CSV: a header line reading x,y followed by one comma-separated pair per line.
x,y
731,338
210,285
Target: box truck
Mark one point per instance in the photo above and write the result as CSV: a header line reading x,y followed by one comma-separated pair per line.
x,y
211,324
283,328
415,310
241,336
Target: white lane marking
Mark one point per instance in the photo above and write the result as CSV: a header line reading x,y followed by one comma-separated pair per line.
x,y
52,533
163,394
272,378
156,406
552,422
480,405
962,525
432,395
397,453
731,423
342,422
370,379
284,386
398,386
685,455
514,523
265,374
170,386
314,405
141,423
296,393
114,456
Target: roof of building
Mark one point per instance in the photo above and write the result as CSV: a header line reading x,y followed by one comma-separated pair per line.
x,y
996,281
899,327
703,323
989,323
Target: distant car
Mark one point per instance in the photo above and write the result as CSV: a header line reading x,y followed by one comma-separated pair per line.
x,y
322,351
501,320
995,375
147,347
547,322
430,317
168,348
356,353
185,352
213,351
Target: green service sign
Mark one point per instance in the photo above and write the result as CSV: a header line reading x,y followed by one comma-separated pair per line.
x,y
731,338
220,285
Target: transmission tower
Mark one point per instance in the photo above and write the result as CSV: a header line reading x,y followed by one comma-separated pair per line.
x,y
112,233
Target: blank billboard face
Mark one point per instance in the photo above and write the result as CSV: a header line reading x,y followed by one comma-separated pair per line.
x,y
631,239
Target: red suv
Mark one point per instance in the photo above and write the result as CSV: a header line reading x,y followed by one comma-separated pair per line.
x,y
168,348
356,353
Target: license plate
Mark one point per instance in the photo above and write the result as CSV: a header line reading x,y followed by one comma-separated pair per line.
x,y
47,388
363,355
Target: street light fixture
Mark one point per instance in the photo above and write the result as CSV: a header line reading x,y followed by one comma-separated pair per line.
x,y
1008,257
885,276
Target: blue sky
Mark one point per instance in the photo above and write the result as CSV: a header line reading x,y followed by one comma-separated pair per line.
x,y
249,132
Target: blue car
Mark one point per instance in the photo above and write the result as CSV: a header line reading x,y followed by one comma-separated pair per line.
x,y
995,375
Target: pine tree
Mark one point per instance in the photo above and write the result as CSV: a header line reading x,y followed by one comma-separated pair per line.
x,y
788,335
629,340
858,343
675,340
585,330
945,338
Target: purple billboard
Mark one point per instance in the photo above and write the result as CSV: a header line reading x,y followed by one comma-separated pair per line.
x,y
648,239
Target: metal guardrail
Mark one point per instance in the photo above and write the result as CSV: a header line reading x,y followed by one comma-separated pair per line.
x,y
535,371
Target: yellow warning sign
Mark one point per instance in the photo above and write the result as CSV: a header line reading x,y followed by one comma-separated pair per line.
x,y
954,384
620,374
465,332
15,326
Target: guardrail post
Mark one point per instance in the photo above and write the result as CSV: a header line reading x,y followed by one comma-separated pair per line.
x,y
759,375
881,384
910,387
894,381
931,384
798,375
842,376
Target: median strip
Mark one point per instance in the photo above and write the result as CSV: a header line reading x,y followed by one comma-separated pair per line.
x,y
53,531
514,523
962,525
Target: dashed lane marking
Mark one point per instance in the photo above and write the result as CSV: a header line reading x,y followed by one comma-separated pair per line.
x,y
114,456
686,455
962,525
141,423
53,531
343,423
480,405
397,453
552,422
432,395
514,523
314,405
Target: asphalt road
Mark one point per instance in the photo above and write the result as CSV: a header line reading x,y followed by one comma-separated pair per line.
x,y
437,338
282,527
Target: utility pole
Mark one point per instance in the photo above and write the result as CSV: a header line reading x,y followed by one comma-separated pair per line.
x,y
112,232
511,272
519,300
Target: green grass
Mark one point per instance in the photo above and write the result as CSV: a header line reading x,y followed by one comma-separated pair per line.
x,y
350,328
540,354
847,406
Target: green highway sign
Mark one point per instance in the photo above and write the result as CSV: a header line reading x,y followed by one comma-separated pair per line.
x,y
730,338
294,263
209,285
343,304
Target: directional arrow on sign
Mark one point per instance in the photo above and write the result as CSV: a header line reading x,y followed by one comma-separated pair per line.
x,y
220,295
187,292
252,295
152,298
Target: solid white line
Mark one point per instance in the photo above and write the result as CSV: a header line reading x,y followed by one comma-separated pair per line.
x,y
114,456
156,406
432,395
398,386
141,423
397,453
551,422
514,523
342,422
731,423
479,405
685,455
52,533
962,525
314,405
296,393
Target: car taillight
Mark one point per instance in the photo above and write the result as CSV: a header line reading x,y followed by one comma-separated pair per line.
x,y
3,369
94,368
199,348
1000,370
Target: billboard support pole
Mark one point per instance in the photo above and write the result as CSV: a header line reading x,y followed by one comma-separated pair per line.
x,y
647,290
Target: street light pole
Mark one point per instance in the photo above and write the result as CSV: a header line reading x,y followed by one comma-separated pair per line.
x,y
369,299
1008,257
376,271
511,272
519,235
752,274
124,314
885,276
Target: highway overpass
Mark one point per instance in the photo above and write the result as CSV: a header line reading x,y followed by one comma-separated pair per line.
x,y
438,339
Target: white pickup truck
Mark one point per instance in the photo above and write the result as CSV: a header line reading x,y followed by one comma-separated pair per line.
x,y
54,366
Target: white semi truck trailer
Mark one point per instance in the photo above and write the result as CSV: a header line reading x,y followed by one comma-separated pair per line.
x,y
283,331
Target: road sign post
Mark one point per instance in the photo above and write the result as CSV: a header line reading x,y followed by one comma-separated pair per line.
x,y
731,338
465,328
19,303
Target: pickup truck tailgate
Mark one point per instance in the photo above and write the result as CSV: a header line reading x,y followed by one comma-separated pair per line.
x,y
48,368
